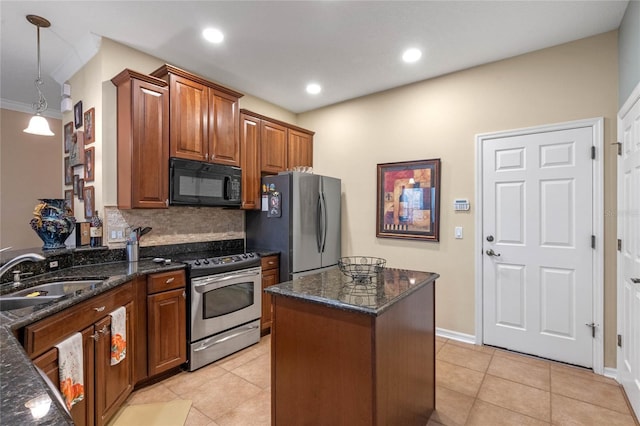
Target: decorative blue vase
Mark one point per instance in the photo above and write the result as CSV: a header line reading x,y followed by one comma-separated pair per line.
x,y
53,221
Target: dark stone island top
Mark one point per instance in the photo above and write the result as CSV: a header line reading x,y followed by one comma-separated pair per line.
x,y
370,296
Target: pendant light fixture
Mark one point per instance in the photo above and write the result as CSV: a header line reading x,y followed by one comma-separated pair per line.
x,y
38,125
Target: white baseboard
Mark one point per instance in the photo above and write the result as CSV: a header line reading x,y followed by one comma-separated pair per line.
x,y
610,372
454,335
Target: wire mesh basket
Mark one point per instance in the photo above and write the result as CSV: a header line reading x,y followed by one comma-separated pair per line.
x,y
361,268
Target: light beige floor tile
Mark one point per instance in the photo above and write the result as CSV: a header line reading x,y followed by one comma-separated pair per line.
x,y
464,357
459,379
155,393
527,374
441,339
485,414
479,348
439,345
253,412
221,395
196,418
568,411
581,372
589,390
264,346
452,408
532,360
188,381
256,371
239,358
516,397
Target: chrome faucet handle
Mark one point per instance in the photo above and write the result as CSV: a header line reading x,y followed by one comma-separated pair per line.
x,y
17,275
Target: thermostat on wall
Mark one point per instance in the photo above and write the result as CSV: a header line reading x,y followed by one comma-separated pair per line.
x,y
461,205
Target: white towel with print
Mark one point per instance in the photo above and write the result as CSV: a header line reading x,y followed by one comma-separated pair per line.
x,y
71,370
118,335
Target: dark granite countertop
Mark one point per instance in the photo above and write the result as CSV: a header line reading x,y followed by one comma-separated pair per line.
x,y
335,289
262,252
19,379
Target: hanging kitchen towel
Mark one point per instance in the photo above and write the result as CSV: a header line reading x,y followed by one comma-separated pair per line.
x,y
118,335
70,366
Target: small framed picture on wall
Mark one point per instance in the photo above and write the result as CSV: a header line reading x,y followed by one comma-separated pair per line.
x,y
80,190
89,127
89,164
77,114
68,135
68,172
89,202
76,156
68,198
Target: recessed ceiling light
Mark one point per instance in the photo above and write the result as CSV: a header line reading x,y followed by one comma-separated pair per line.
x,y
411,55
313,88
213,35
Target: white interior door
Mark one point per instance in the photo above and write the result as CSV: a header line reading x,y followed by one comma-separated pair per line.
x,y
629,255
537,227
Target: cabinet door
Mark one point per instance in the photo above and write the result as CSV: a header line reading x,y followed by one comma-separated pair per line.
x,y
270,276
300,149
150,150
250,155
167,330
273,147
114,383
189,119
224,143
81,412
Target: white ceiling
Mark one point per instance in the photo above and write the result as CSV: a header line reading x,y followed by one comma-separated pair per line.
x,y
273,49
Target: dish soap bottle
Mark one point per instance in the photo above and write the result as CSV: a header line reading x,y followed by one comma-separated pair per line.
x,y
95,231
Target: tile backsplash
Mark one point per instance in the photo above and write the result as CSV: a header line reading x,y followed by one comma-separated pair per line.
x,y
173,225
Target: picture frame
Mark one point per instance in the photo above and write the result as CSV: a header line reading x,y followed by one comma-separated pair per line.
x,y
68,198
89,164
68,171
80,189
76,155
88,195
89,126
77,114
68,135
408,200
76,182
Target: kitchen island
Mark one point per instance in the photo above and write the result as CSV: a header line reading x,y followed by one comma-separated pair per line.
x,y
346,352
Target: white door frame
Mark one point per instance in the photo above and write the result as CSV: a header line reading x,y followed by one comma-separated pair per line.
x,y
597,127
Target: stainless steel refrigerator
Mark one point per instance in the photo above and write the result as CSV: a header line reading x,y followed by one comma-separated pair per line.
x,y
300,218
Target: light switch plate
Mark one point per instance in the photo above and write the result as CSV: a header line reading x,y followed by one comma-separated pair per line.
x,y
458,232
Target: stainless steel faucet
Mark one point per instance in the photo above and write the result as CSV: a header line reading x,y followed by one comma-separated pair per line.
x,y
32,257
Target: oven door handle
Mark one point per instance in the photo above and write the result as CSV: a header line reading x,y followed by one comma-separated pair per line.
x,y
224,339
204,285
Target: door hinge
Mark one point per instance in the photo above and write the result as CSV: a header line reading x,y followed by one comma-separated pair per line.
x,y
619,340
593,152
619,244
619,147
593,241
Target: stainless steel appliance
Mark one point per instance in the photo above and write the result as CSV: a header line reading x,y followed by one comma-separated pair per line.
x,y
196,183
225,306
300,218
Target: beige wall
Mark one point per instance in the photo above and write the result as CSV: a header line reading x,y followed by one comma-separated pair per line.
x,y
439,118
30,168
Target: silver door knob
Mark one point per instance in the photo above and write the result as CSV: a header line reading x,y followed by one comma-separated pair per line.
x,y
490,252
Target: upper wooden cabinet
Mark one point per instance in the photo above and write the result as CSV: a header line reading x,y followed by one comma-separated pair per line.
x,y
269,146
204,118
143,140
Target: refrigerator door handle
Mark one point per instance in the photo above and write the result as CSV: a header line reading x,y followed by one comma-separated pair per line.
x,y
324,222
319,237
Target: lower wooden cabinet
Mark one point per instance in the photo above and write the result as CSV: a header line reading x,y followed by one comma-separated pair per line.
x,y
106,386
167,337
270,276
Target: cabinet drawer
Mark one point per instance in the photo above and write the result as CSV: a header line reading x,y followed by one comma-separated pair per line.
x,y
165,281
42,335
270,262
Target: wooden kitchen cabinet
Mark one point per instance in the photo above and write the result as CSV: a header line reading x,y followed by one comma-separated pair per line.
x,y
250,161
166,321
143,140
270,276
106,386
273,147
299,149
204,118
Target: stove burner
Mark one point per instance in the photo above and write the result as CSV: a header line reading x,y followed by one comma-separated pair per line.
x,y
215,265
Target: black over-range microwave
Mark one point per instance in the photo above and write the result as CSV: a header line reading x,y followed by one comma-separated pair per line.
x,y
196,183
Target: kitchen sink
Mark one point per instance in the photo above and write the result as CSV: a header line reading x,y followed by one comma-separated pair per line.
x,y
8,303
56,289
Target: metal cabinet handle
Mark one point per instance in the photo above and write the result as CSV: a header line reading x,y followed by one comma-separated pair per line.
x,y
170,280
490,252
103,331
271,262
100,309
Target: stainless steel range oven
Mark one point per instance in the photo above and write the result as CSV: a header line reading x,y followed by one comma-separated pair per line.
x,y
225,306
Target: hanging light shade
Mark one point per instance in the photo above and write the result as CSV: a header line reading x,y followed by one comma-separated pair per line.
x,y
38,125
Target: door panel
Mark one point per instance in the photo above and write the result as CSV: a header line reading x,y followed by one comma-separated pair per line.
x,y
629,255
304,198
332,193
538,276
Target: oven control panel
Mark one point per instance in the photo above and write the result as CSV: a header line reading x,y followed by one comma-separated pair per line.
x,y
214,265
